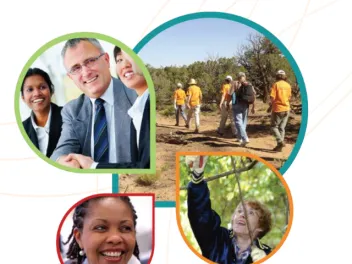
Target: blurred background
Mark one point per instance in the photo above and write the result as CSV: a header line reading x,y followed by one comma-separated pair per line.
x,y
259,183
65,89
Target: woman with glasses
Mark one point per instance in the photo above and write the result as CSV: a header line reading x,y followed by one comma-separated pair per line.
x,y
44,124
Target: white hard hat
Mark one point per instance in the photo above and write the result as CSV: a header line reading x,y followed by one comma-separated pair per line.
x,y
179,85
228,77
281,72
192,81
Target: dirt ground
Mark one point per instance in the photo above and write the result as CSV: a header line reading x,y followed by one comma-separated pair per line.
x,y
171,139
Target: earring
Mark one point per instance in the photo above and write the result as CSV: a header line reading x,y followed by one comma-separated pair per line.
x,y
81,253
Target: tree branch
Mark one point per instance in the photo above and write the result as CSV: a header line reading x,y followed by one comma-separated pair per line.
x,y
247,168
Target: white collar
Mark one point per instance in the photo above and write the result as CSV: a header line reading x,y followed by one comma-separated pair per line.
x,y
47,124
139,104
107,96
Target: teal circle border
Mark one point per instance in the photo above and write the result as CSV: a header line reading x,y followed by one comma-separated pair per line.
x,y
267,34
149,80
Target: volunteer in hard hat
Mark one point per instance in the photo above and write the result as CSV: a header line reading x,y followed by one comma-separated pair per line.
x,y
280,104
179,103
194,98
225,107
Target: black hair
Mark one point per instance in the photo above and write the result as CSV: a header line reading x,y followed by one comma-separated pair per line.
x,y
40,72
117,50
78,217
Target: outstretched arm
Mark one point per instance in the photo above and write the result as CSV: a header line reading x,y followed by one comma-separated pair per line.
x,y
205,222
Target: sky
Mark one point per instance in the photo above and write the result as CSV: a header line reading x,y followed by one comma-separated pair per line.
x,y
195,40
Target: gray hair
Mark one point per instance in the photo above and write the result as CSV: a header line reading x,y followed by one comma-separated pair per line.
x,y
71,43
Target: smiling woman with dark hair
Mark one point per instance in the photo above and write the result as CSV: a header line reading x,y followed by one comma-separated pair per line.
x,y
44,125
103,231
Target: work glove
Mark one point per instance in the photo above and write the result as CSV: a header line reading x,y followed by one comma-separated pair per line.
x,y
257,253
196,165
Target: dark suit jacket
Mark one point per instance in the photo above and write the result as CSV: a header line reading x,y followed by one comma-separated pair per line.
x,y
140,158
55,129
215,241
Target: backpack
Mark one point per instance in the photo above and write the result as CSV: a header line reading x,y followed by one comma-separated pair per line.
x,y
245,93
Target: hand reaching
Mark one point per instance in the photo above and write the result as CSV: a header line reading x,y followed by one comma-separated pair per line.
x,y
197,165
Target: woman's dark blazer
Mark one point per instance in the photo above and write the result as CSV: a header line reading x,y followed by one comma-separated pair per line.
x,y
55,129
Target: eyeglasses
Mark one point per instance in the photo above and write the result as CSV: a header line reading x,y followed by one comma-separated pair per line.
x,y
87,63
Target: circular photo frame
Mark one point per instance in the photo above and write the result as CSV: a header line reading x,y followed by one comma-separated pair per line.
x,y
108,227
49,70
231,206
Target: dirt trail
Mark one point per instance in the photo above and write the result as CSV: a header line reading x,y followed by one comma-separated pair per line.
x,y
171,139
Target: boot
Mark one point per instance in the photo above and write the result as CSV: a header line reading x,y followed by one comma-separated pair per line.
x,y
279,147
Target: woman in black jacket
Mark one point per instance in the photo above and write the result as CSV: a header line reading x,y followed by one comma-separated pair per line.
x,y
43,127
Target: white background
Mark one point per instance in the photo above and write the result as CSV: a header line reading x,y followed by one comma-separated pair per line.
x,y
34,195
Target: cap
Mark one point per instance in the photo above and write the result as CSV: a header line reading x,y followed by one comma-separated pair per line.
x,y
192,81
228,77
280,72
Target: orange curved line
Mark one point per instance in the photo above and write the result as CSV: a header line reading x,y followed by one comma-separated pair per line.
x,y
333,91
232,5
153,19
329,111
7,124
52,195
300,24
201,5
17,159
307,15
255,5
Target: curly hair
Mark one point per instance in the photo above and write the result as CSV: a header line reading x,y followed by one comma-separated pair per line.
x,y
264,221
78,217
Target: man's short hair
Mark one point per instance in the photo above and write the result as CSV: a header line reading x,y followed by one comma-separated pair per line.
x,y
71,43
241,74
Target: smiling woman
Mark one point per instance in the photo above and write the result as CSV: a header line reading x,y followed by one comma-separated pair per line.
x,y
103,231
44,125
241,215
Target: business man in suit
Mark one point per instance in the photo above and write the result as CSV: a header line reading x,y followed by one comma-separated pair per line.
x,y
96,124
54,129
130,74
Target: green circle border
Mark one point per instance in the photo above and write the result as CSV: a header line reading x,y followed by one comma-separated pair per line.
x,y
267,34
149,80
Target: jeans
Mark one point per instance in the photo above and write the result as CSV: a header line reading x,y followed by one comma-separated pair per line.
x,y
278,124
240,113
180,109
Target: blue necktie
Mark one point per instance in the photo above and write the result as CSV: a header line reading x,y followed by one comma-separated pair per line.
x,y
101,140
